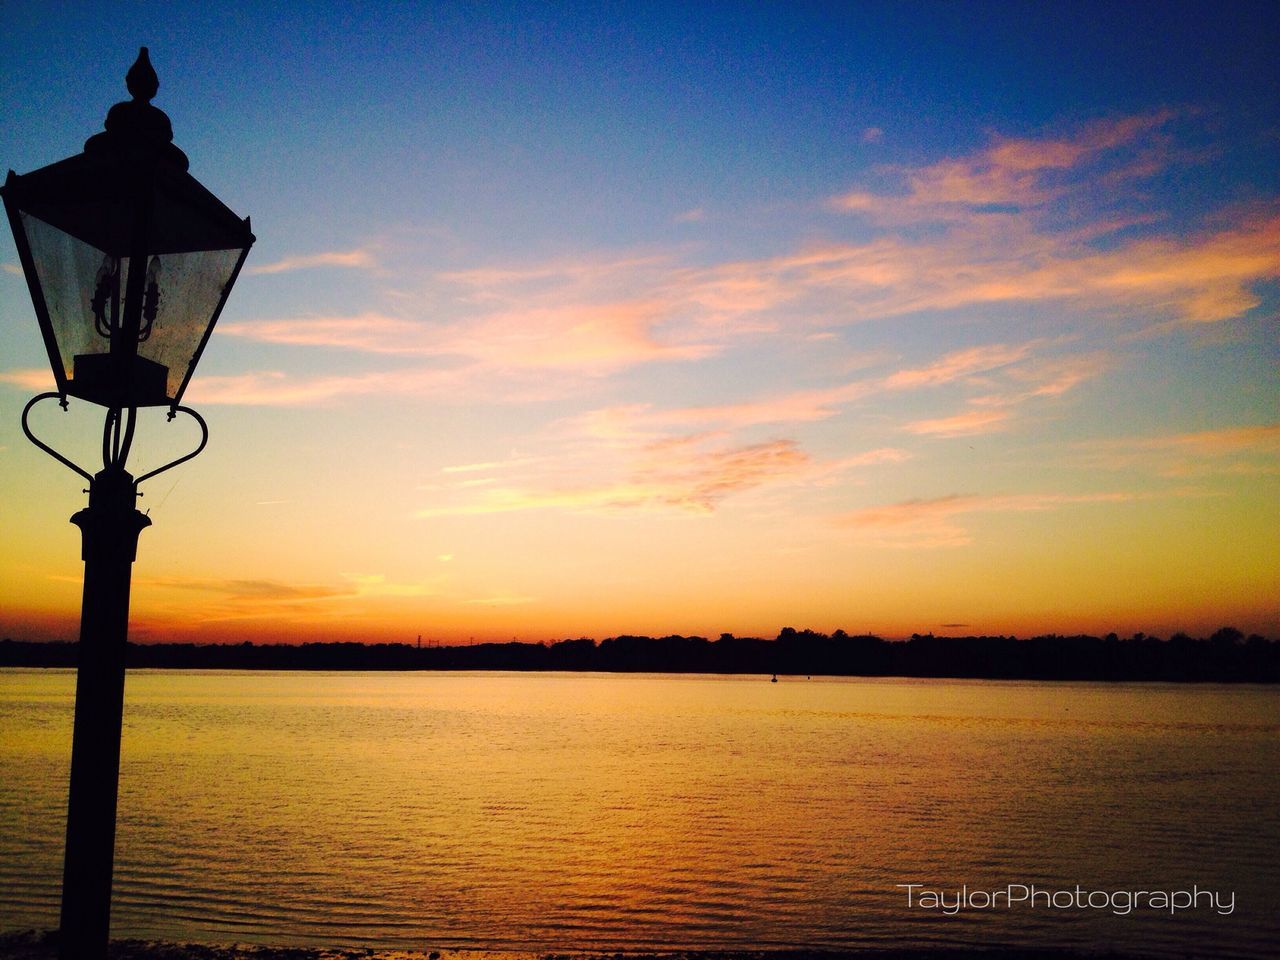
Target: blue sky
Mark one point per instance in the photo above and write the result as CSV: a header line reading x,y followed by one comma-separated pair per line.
x,y
829,315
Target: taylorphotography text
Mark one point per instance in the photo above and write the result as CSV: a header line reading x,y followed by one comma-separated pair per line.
x,y
1119,902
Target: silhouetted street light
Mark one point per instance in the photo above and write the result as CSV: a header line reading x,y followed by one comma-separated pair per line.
x,y
129,261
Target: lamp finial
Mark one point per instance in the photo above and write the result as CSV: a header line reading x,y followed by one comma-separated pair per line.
x,y
136,126
141,78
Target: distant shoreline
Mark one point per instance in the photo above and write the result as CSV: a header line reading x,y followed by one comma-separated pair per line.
x,y
1225,657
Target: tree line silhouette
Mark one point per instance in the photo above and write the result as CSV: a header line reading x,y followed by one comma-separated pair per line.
x,y
1226,656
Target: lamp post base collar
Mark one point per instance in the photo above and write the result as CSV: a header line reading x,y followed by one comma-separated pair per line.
x,y
111,524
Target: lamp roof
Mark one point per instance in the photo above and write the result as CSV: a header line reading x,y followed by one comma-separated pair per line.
x,y
94,195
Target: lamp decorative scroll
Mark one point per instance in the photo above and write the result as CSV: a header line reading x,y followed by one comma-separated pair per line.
x,y
113,449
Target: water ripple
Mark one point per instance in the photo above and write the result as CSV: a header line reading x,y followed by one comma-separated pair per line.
x,y
627,813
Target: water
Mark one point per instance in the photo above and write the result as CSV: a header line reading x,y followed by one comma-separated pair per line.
x,y
558,811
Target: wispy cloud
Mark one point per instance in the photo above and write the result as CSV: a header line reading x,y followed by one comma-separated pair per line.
x,y
1021,221
959,364
646,469
1010,377
1050,376
960,425
696,481
358,259
367,332
592,338
502,600
273,388
264,599
1193,278
595,338
1252,449
1001,376
28,379
1019,218
488,465
570,277
1262,438
644,420
934,522
246,589
377,585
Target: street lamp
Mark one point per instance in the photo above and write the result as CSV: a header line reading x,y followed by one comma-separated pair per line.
x,y
129,261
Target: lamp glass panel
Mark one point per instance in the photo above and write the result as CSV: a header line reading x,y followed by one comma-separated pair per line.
x,y
68,271
189,287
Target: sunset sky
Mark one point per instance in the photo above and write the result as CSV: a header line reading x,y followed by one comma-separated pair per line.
x,y
589,319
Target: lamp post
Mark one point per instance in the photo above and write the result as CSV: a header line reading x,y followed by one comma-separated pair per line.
x,y
129,261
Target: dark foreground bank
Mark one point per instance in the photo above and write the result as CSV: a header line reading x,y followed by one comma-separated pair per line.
x,y
43,946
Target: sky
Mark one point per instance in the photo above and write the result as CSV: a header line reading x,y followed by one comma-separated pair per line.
x,y
588,319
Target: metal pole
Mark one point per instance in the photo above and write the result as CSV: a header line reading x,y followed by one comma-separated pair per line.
x,y
109,529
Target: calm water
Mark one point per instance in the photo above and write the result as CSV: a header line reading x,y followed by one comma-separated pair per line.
x,y
545,811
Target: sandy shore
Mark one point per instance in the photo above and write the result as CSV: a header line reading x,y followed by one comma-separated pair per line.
x,y
33,945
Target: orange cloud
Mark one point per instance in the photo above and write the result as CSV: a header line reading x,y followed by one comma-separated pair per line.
x,y
1205,281
1010,173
